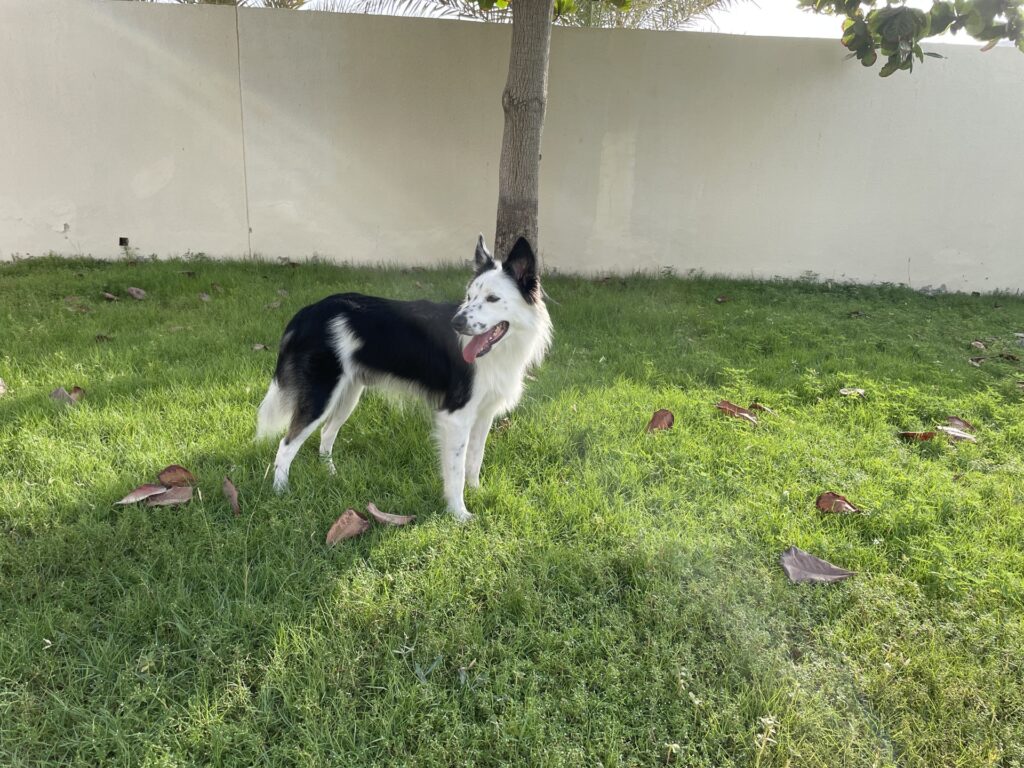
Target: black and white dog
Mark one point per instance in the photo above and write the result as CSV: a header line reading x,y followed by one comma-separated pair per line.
x,y
467,360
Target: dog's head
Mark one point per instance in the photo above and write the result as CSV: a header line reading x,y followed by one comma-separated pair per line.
x,y
501,298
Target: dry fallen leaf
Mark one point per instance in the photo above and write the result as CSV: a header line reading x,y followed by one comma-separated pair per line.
x,y
101,337
216,288
62,395
76,304
187,273
141,493
231,494
1009,356
801,566
282,292
755,406
662,419
857,313
956,421
388,519
3,388
956,434
259,347
734,410
978,344
852,392
722,299
136,293
204,297
833,502
272,305
976,361
916,436
109,296
171,497
176,475
345,527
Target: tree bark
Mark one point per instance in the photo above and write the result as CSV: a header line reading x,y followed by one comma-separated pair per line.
x,y
524,102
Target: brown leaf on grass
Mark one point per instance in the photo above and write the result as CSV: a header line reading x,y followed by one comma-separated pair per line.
x,y
187,273
141,493
916,437
857,313
63,396
285,261
176,475
734,410
1008,356
978,344
1020,385
109,296
386,518
3,388
272,305
662,419
172,497
956,434
102,337
204,297
852,392
755,406
722,299
76,304
136,293
259,347
345,527
958,423
976,361
231,494
801,567
216,288
833,502
282,292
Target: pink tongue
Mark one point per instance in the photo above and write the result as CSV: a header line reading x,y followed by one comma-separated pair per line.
x,y
471,350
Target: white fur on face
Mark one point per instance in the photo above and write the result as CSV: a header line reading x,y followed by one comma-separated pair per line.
x,y
491,298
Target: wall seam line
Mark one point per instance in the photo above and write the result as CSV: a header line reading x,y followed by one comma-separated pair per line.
x,y
241,116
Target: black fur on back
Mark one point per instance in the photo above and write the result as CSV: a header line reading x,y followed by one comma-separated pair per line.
x,y
412,341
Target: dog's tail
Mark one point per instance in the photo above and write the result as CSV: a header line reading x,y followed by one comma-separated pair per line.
x,y
275,413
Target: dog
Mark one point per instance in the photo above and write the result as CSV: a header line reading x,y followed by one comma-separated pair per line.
x,y
468,361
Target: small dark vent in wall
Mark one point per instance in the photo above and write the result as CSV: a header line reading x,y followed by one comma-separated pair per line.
x,y
122,242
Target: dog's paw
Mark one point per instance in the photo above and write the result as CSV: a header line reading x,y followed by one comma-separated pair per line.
x,y
328,463
280,486
461,515
473,482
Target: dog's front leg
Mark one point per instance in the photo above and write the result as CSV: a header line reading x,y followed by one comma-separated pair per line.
x,y
453,435
475,453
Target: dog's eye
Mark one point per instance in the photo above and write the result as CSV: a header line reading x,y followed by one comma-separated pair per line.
x,y
492,297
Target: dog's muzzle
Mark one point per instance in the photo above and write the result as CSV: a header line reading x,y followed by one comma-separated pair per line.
x,y
460,324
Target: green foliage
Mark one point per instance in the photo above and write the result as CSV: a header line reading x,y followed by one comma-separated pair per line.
x,y
617,601
896,31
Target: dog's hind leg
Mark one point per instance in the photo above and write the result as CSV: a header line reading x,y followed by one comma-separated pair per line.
x,y
347,398
314,405
287,450
453,430
475,452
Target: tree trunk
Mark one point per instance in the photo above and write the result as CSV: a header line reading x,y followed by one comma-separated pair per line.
x,y
524,101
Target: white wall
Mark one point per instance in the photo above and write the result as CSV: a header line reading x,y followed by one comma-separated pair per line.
x,y
372,139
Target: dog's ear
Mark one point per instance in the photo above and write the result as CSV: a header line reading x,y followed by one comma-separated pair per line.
x,y
521,266
482,259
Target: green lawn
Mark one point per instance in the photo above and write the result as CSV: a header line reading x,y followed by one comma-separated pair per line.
x,y
618,593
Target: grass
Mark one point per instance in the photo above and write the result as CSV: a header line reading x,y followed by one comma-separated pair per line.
x,y
617,601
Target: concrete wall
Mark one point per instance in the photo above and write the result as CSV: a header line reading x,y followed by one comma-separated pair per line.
x,y
372,139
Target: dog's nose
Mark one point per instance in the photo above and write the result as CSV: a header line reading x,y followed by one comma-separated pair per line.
x,y
459,323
